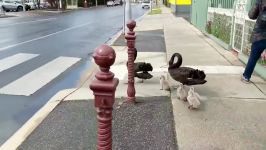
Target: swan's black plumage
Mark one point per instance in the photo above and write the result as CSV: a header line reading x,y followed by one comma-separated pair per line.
x,y
141,70
185,75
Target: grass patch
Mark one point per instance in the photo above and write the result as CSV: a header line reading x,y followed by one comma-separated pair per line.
x,y
155,11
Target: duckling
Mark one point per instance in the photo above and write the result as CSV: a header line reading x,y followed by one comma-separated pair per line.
x,y
182,92
164,83
193,99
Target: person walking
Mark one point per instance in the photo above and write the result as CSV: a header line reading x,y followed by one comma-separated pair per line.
x,y
258,38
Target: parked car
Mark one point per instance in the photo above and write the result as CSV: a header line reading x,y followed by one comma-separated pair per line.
x,y
110,3
117,2
13,5
146,4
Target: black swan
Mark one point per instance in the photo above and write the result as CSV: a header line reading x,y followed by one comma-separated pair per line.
x,y
141,70
185,75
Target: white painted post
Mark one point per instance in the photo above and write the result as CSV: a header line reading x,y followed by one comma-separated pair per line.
x,y
60,4
232,33
128,15
244,23
23,5
124,17
151,6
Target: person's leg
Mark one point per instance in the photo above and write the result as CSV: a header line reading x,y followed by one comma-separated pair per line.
x,y
256,50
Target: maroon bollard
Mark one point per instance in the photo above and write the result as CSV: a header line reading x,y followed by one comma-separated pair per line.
x,y
130,37
103,88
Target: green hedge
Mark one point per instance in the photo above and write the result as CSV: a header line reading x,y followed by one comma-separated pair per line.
x,y
220,27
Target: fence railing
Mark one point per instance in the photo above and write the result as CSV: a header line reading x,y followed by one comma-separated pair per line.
x,y
250,3
241,27
229,4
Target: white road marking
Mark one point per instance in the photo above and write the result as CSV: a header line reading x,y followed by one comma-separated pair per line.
x,y
211,69
33,81
5,40
33,21
42,37
14,60
220,69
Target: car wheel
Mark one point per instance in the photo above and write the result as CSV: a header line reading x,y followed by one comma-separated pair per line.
x,y
20,8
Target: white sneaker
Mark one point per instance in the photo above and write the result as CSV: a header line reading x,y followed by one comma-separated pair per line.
x,y
245,80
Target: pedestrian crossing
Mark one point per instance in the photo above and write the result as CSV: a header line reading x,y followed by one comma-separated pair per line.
x,y
14,60
36,79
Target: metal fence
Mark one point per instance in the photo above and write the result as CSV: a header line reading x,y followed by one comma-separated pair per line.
x,y
241,26
229,4
250,3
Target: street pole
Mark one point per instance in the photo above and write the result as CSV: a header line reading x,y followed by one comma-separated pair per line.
x,y
23,5
60,4
128,14
151,5
131,37
124,18
104,87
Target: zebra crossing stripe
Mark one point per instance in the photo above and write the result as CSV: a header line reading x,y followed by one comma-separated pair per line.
x,y
33,81
14,60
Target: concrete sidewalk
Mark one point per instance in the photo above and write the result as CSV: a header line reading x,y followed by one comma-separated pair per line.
x,y
232,115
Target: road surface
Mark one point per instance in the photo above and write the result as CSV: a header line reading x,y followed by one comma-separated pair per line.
x,y
40,56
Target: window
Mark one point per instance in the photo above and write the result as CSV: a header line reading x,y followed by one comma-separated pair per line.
x,y
6,1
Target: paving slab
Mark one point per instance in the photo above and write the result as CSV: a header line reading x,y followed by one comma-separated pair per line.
x,y
262,87
147,125
149,88
221,124
227,86
193,57
146,41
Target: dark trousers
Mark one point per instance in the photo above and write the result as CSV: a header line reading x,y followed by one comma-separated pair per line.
x,y
256,50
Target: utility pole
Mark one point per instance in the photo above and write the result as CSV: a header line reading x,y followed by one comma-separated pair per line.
x,y
23,5
124,17
151,5
60,4
128,14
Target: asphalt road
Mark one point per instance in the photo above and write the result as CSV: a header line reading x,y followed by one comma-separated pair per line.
x,y
31,48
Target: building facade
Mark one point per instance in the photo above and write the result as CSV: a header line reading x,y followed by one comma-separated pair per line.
x,y
227,22
180,5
